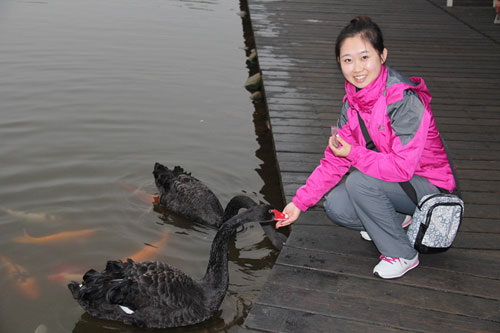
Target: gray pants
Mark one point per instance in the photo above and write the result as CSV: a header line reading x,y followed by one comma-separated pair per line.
x,y
366,203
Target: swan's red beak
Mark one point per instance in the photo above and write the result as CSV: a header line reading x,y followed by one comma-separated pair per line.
x,y
278,215
155,199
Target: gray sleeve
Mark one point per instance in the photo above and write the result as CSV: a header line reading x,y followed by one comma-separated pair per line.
x,y
343,115
406,116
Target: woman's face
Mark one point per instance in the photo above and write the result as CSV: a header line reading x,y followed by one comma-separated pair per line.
x,y
359,61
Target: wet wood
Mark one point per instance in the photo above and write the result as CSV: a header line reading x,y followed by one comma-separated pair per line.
x,y
322,280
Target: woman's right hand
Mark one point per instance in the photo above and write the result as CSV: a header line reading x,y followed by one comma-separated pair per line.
x,y
293,214
343,148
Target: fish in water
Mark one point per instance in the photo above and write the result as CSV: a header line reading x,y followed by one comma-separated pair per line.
x,y
150,251
26,283
66,273
140,194
32,217
156,295
64,277
54,238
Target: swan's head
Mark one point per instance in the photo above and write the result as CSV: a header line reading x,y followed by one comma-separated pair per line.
x,y
159,170
260,213
162,175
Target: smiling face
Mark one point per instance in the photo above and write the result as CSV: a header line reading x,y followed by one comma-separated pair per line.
x,y
359,61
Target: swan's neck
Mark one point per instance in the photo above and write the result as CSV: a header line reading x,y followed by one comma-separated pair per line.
x,y
235,204
216,278
217,275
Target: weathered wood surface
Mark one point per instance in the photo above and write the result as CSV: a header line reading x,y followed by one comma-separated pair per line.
x,y
322,280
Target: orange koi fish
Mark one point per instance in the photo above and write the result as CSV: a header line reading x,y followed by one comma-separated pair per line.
x,y
140,194
67,273
59,237
65,277
26,283
32,217
151,250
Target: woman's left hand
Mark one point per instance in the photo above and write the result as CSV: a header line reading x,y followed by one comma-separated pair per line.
x,y
343,149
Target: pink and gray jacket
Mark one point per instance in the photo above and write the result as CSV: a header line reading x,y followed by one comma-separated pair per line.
x,y
398,116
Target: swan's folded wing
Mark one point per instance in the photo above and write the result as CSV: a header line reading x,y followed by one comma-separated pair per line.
x,y
165,285
167,297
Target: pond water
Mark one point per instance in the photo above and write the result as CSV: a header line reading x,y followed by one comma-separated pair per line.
x,y
93,93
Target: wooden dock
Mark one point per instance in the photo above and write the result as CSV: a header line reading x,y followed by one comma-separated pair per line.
x,y
322,280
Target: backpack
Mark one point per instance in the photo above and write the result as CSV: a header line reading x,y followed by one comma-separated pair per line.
x,y
435,222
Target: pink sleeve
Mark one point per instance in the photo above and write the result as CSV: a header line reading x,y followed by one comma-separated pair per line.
x,y
326,175
398,164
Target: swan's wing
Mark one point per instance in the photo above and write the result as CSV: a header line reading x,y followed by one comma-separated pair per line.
x,y
189,197
166,286
164,296
145,294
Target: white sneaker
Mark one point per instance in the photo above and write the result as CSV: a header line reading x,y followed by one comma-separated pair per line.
x,y
391,268
406,223
365,236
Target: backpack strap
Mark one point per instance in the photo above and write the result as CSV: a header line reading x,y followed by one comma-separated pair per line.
x,y
369,142
407,186
456,191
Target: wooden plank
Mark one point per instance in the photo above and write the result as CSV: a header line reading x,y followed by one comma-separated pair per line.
x,y
266,318
380,313
477,240
297,274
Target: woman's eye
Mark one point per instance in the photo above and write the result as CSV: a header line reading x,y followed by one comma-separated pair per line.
x,y
365,57
347,61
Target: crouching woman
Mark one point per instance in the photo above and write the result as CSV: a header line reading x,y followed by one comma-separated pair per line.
x,y
403,144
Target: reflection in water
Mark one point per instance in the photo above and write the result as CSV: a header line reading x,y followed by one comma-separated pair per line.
x,y
267,170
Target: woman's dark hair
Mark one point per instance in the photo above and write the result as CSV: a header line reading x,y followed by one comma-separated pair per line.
x,y
368,30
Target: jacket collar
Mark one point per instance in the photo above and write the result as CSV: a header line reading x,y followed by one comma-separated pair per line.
x,y
364,99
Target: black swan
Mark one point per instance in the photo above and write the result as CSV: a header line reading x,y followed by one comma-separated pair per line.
x,y
156,295
185,195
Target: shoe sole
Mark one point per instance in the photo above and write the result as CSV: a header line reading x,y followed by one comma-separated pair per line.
x,y
400,275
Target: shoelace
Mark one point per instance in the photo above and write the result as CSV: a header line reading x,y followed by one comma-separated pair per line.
x,y
390,260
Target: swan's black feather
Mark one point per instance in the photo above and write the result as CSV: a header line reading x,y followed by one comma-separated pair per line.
x,y
155,294
185,195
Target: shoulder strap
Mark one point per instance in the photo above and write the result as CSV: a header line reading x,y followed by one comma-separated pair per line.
x,y
452,166
407,186
369,142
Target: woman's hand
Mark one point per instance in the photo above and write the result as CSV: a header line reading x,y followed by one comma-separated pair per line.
x,y
293,214
343,148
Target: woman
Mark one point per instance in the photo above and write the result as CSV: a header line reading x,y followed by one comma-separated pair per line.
x,y
397,114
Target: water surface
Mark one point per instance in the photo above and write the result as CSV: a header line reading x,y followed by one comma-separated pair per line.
x,y
92,94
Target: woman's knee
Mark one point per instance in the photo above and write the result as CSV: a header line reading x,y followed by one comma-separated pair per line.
x,y
332,208
354,180
339,209
358,184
